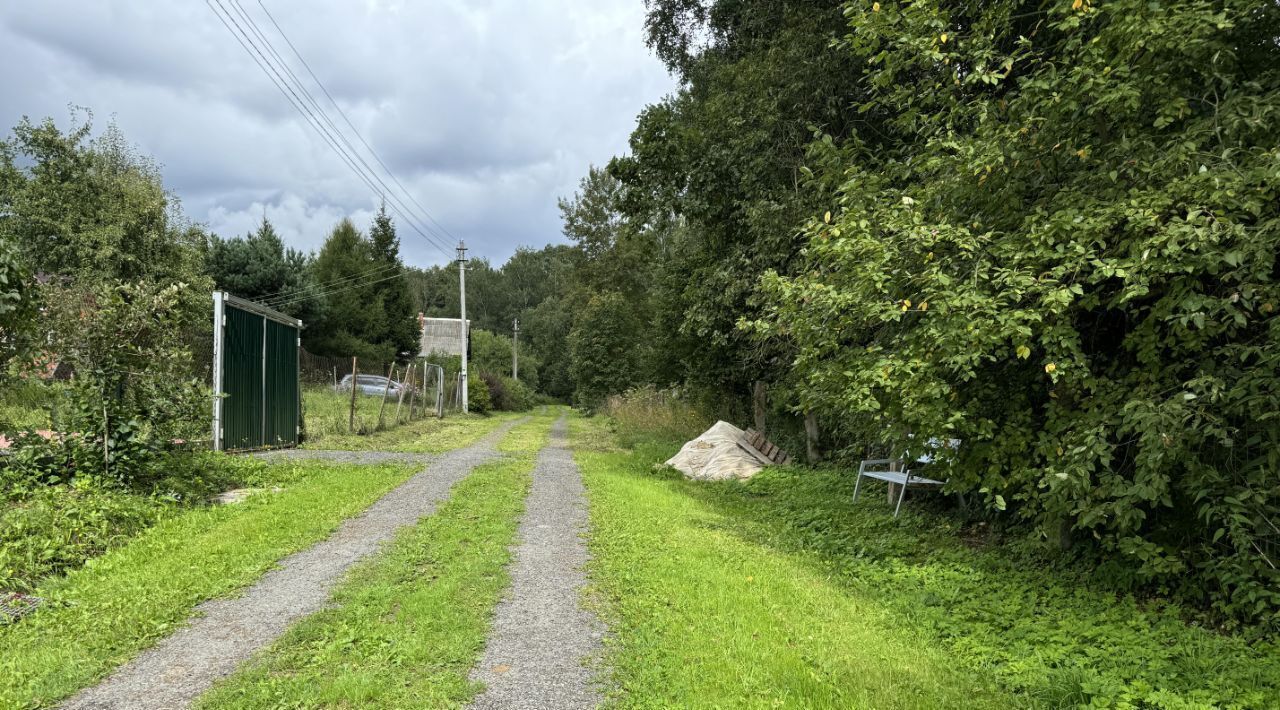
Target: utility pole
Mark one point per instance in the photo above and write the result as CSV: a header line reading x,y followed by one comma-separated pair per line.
x,y
462,299
515,350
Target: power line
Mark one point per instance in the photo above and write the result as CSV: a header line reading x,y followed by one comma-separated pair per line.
x,y
287,90
386,190
333,292
297,102
342,113
287,293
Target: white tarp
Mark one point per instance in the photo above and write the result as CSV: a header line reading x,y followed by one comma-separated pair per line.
x,y
721,453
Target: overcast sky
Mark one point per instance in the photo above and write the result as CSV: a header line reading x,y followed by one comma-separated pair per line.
x,y
486,110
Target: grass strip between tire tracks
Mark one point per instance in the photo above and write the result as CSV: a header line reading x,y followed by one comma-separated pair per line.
x,y
98,617
407,625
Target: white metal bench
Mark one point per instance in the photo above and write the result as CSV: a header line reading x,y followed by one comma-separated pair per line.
x,y
878,469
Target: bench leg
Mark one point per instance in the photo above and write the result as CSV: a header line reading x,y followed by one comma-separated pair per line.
x,y
902,494
856,486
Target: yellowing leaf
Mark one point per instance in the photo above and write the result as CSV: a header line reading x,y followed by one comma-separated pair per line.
x,y
924,305
1077,4
1050,368
943,38
1024,352
875,7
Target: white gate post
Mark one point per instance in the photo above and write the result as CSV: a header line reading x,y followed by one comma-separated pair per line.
x,y
218,324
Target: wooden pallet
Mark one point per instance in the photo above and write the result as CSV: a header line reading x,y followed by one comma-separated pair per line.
x,y
766,447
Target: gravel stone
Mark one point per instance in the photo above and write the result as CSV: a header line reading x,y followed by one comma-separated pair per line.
x,y
178,669
543,641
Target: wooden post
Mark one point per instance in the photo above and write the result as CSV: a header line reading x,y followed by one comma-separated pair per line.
x,y
413,396
892,496
812,448
351,418
391,372
401,400
759,398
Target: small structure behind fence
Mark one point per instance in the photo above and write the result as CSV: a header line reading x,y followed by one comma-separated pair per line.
x,y
257,394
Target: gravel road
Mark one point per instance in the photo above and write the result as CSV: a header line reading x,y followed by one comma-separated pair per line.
x,y
543,641
177,670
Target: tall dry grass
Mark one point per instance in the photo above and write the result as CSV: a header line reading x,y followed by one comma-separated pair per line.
x,y
648,413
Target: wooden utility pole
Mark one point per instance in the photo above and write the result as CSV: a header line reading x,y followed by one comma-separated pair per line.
x,y
391,372
413,393
351,418
462,302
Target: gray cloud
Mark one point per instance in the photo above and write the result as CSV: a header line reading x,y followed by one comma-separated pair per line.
x,y
487,110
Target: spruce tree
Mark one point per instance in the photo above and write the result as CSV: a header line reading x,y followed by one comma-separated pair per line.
x,y
399,326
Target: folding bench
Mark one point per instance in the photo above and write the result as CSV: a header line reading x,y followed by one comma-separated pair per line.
x,y
880,470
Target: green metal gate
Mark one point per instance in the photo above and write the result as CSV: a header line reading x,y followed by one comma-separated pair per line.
x,y
257,401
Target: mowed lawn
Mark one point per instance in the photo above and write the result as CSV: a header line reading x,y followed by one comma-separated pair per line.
x,y
781,593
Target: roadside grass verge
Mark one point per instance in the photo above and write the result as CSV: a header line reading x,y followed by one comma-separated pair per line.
x,y
406,626
701,617
101,615
50,529
421,436
783,586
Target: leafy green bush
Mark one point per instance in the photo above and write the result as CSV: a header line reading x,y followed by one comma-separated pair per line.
x,y
1060,247
508,395
56,528
478,400
28,404
134,393
604,349
52,521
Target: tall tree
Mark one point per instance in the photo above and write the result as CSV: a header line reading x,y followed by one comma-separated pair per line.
x,y
91,208
722,159
1062,251
260,268
391,288
352,323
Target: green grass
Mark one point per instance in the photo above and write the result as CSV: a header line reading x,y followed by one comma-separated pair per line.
x,y
780,591
49,529
104,613
27,404
701,617
421,436
328,413
407,626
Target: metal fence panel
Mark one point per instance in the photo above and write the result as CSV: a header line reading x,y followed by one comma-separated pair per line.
x,y
242,379
256,352
281,397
